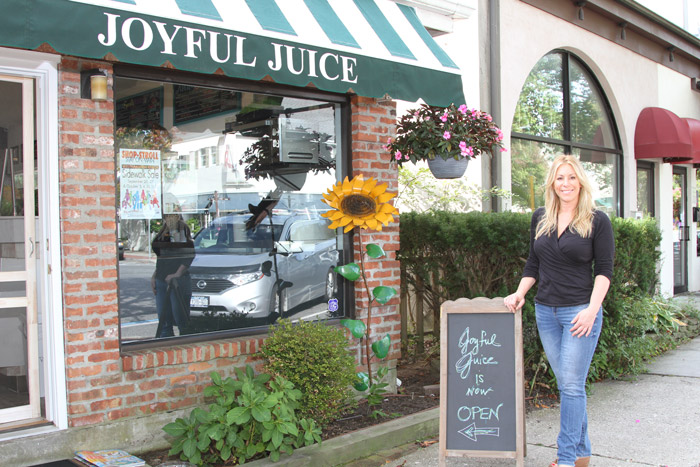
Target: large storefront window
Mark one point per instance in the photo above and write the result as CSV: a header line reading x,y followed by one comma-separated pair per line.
x,y
220,203
562,110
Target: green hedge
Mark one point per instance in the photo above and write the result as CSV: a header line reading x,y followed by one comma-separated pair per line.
x,y
475,254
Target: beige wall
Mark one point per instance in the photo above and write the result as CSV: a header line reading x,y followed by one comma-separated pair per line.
x,y
630,82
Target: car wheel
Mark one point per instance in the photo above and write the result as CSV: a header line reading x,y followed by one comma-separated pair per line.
x,y
331,285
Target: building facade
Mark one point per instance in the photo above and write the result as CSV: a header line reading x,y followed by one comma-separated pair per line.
x,y
174,156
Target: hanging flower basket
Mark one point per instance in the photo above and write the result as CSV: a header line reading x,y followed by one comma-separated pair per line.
x,y
448,168
452,135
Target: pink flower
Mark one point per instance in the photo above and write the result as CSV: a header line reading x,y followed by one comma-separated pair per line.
x,y
444,117
462,145
397,155
447,135
488,117
463,109
504,150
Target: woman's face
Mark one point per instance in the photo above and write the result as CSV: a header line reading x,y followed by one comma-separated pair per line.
x,y
566,184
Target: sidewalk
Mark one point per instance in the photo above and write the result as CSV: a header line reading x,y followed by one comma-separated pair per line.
x,y
651,421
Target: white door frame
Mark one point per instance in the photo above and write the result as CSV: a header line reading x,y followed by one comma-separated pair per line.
x,y
43,68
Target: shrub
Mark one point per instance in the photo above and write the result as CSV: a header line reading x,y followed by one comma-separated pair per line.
x,y
314,357
250,416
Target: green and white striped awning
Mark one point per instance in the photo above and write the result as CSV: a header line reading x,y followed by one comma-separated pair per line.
x,y
369,47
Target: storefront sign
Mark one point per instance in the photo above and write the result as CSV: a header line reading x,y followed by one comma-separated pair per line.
x,y
139,182
481,385
132,33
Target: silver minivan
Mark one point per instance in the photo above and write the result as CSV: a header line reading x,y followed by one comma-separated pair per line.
x,y
263,270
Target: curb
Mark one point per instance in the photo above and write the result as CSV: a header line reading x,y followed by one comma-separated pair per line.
x,y
362,443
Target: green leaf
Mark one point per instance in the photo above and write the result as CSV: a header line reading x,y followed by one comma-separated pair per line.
x,y
350,271
261,414
356,327
175,429
239,416
362,382
189,448
375,251
216,378
381,347
383,294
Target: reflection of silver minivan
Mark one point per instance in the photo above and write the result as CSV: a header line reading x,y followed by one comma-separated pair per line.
x,y
263,270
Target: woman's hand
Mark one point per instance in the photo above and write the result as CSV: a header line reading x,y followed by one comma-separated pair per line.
x,y
514,301
583,322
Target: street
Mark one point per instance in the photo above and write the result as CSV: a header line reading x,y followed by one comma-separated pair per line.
x,y
137,304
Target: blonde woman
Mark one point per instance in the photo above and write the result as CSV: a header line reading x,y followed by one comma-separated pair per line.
x,y
571,254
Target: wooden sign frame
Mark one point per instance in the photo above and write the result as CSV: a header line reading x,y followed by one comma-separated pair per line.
x,y
482,305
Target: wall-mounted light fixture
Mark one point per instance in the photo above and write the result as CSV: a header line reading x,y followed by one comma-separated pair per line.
x,y
671,51
623,30
580,4
695,84
93,84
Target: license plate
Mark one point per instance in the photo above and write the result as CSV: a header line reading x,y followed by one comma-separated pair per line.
x,y
199,302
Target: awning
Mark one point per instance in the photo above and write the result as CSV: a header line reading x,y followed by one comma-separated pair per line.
x,y
662,134
694,127
368,47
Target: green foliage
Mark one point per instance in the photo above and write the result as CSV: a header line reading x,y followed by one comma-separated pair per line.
x,y
194,225
313,356
483,254
250,416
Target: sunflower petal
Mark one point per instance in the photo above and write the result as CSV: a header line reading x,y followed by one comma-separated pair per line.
x,y
345,220
347,186
384,197
386,208
348,228
335,215
369,185
357,183
372,223
378,190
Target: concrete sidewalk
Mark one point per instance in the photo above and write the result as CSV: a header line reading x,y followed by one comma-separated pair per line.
x,y
651,421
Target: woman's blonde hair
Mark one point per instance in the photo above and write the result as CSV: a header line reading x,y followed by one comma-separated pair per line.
x,y
582,223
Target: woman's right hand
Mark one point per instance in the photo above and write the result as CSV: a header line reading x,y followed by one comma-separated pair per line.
x,y
514,301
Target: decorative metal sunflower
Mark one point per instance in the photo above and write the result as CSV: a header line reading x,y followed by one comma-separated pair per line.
x,y
359,203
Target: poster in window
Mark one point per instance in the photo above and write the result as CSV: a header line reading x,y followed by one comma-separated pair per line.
x,y
139,181
193,103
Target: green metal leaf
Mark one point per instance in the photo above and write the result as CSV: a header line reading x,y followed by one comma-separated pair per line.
x,y
362,382
356,327
383,294
350,271
375,251
381,347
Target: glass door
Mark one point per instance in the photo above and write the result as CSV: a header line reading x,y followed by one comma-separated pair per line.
x,y
681,231
19,340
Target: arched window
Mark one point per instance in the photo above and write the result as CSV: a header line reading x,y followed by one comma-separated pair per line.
x,y
562,110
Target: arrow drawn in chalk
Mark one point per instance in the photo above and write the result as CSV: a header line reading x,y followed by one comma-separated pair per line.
x,y
472,431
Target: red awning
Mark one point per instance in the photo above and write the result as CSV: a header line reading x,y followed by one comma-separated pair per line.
x,y
694,127
661,133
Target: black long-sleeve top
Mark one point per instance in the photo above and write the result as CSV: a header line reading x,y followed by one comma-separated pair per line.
x,y
566,266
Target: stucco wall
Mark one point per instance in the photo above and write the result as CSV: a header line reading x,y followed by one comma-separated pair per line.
x,y
630,82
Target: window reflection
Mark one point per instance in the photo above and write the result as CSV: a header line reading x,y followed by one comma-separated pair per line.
x,y
542,132
244,174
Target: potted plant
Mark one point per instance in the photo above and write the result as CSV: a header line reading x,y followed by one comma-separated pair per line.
x,y
447,137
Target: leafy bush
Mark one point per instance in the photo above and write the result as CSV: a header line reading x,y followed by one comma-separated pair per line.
x,y
250,416
314,357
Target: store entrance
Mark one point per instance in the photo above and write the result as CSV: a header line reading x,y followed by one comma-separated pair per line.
x,y
681,231
20,397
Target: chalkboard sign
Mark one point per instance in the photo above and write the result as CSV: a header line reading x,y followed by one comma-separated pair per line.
x,y
143,110
194,103
481,380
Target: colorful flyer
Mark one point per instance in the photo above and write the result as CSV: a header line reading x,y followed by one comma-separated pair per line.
x,y
139,180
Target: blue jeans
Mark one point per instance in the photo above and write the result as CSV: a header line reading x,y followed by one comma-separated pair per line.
x,y
173,305
570,358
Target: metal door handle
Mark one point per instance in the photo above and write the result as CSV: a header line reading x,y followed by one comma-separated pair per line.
x,y
31,242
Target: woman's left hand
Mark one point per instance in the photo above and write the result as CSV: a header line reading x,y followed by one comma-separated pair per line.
x,y
583,322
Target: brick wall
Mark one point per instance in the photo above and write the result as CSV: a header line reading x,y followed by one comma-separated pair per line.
x,y
104,385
